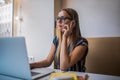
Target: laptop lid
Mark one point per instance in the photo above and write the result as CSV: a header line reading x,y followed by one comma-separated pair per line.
x,y
14,60
6,77
13,57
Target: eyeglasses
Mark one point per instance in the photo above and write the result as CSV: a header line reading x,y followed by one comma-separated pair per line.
x,y
62,18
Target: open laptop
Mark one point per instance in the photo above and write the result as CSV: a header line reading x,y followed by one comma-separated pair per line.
x,y
6,77
14,60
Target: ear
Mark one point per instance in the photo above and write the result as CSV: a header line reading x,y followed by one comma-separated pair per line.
x,y
73,23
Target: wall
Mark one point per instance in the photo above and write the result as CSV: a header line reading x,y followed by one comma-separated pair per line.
x,y
98,18
37,26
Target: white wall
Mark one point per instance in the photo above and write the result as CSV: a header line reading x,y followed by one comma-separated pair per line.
x,y
98,18
37,26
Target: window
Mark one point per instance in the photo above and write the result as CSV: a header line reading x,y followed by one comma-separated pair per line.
x,y
6,18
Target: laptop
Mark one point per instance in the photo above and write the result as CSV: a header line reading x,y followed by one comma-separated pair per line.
x,y
6,77
14,59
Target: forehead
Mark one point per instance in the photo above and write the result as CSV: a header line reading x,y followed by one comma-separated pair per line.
x,y
63,13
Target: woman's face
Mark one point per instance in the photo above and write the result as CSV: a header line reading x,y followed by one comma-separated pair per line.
x,y
62,20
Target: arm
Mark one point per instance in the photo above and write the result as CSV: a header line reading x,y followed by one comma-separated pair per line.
x,y
66,60
46,62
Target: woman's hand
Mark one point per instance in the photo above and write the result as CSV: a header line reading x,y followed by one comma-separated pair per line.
x,y
67,29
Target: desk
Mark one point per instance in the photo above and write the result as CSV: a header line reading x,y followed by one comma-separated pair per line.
x,y
91,76
98,76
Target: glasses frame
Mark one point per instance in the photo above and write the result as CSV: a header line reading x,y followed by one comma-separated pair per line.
x,y
63,18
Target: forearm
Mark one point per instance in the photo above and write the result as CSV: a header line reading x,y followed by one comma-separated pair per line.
x,y
64,57
43,63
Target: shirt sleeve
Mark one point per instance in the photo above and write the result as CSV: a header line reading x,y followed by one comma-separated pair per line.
x,y
55,41
82,42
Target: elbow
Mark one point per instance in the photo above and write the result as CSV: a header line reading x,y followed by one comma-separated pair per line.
x,y
48,63
63,68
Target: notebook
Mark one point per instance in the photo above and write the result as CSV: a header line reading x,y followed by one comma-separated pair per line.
x,y
14,59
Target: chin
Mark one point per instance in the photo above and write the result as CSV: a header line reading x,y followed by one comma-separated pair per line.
x,y
62,31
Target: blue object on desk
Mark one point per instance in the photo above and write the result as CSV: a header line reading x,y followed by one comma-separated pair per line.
x,y
5,77
13,57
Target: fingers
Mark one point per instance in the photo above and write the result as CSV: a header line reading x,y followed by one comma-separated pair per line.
x,y
66,29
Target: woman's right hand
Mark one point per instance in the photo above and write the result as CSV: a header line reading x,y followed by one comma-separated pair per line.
x,y
67,29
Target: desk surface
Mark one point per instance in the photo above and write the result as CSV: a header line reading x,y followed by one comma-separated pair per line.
x,y
91,76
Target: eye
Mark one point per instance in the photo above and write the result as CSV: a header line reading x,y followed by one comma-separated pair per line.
x,y
63,18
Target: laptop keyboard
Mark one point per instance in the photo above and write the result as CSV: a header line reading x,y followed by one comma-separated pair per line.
x,y
34,73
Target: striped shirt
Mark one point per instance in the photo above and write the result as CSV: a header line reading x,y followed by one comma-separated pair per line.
x,y
80,65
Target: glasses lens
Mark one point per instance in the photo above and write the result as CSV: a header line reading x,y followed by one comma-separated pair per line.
x,y
63,18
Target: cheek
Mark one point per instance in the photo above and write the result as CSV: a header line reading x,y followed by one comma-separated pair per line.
x,y
59,27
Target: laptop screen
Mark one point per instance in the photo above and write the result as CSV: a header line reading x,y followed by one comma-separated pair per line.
x,y
13,57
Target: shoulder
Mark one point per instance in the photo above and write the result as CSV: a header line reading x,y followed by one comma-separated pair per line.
x,y
82,41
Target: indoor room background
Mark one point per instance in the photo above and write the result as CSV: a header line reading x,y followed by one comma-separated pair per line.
x,y
99,23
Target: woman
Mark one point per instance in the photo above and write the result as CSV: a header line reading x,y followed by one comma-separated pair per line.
x,y
69,49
